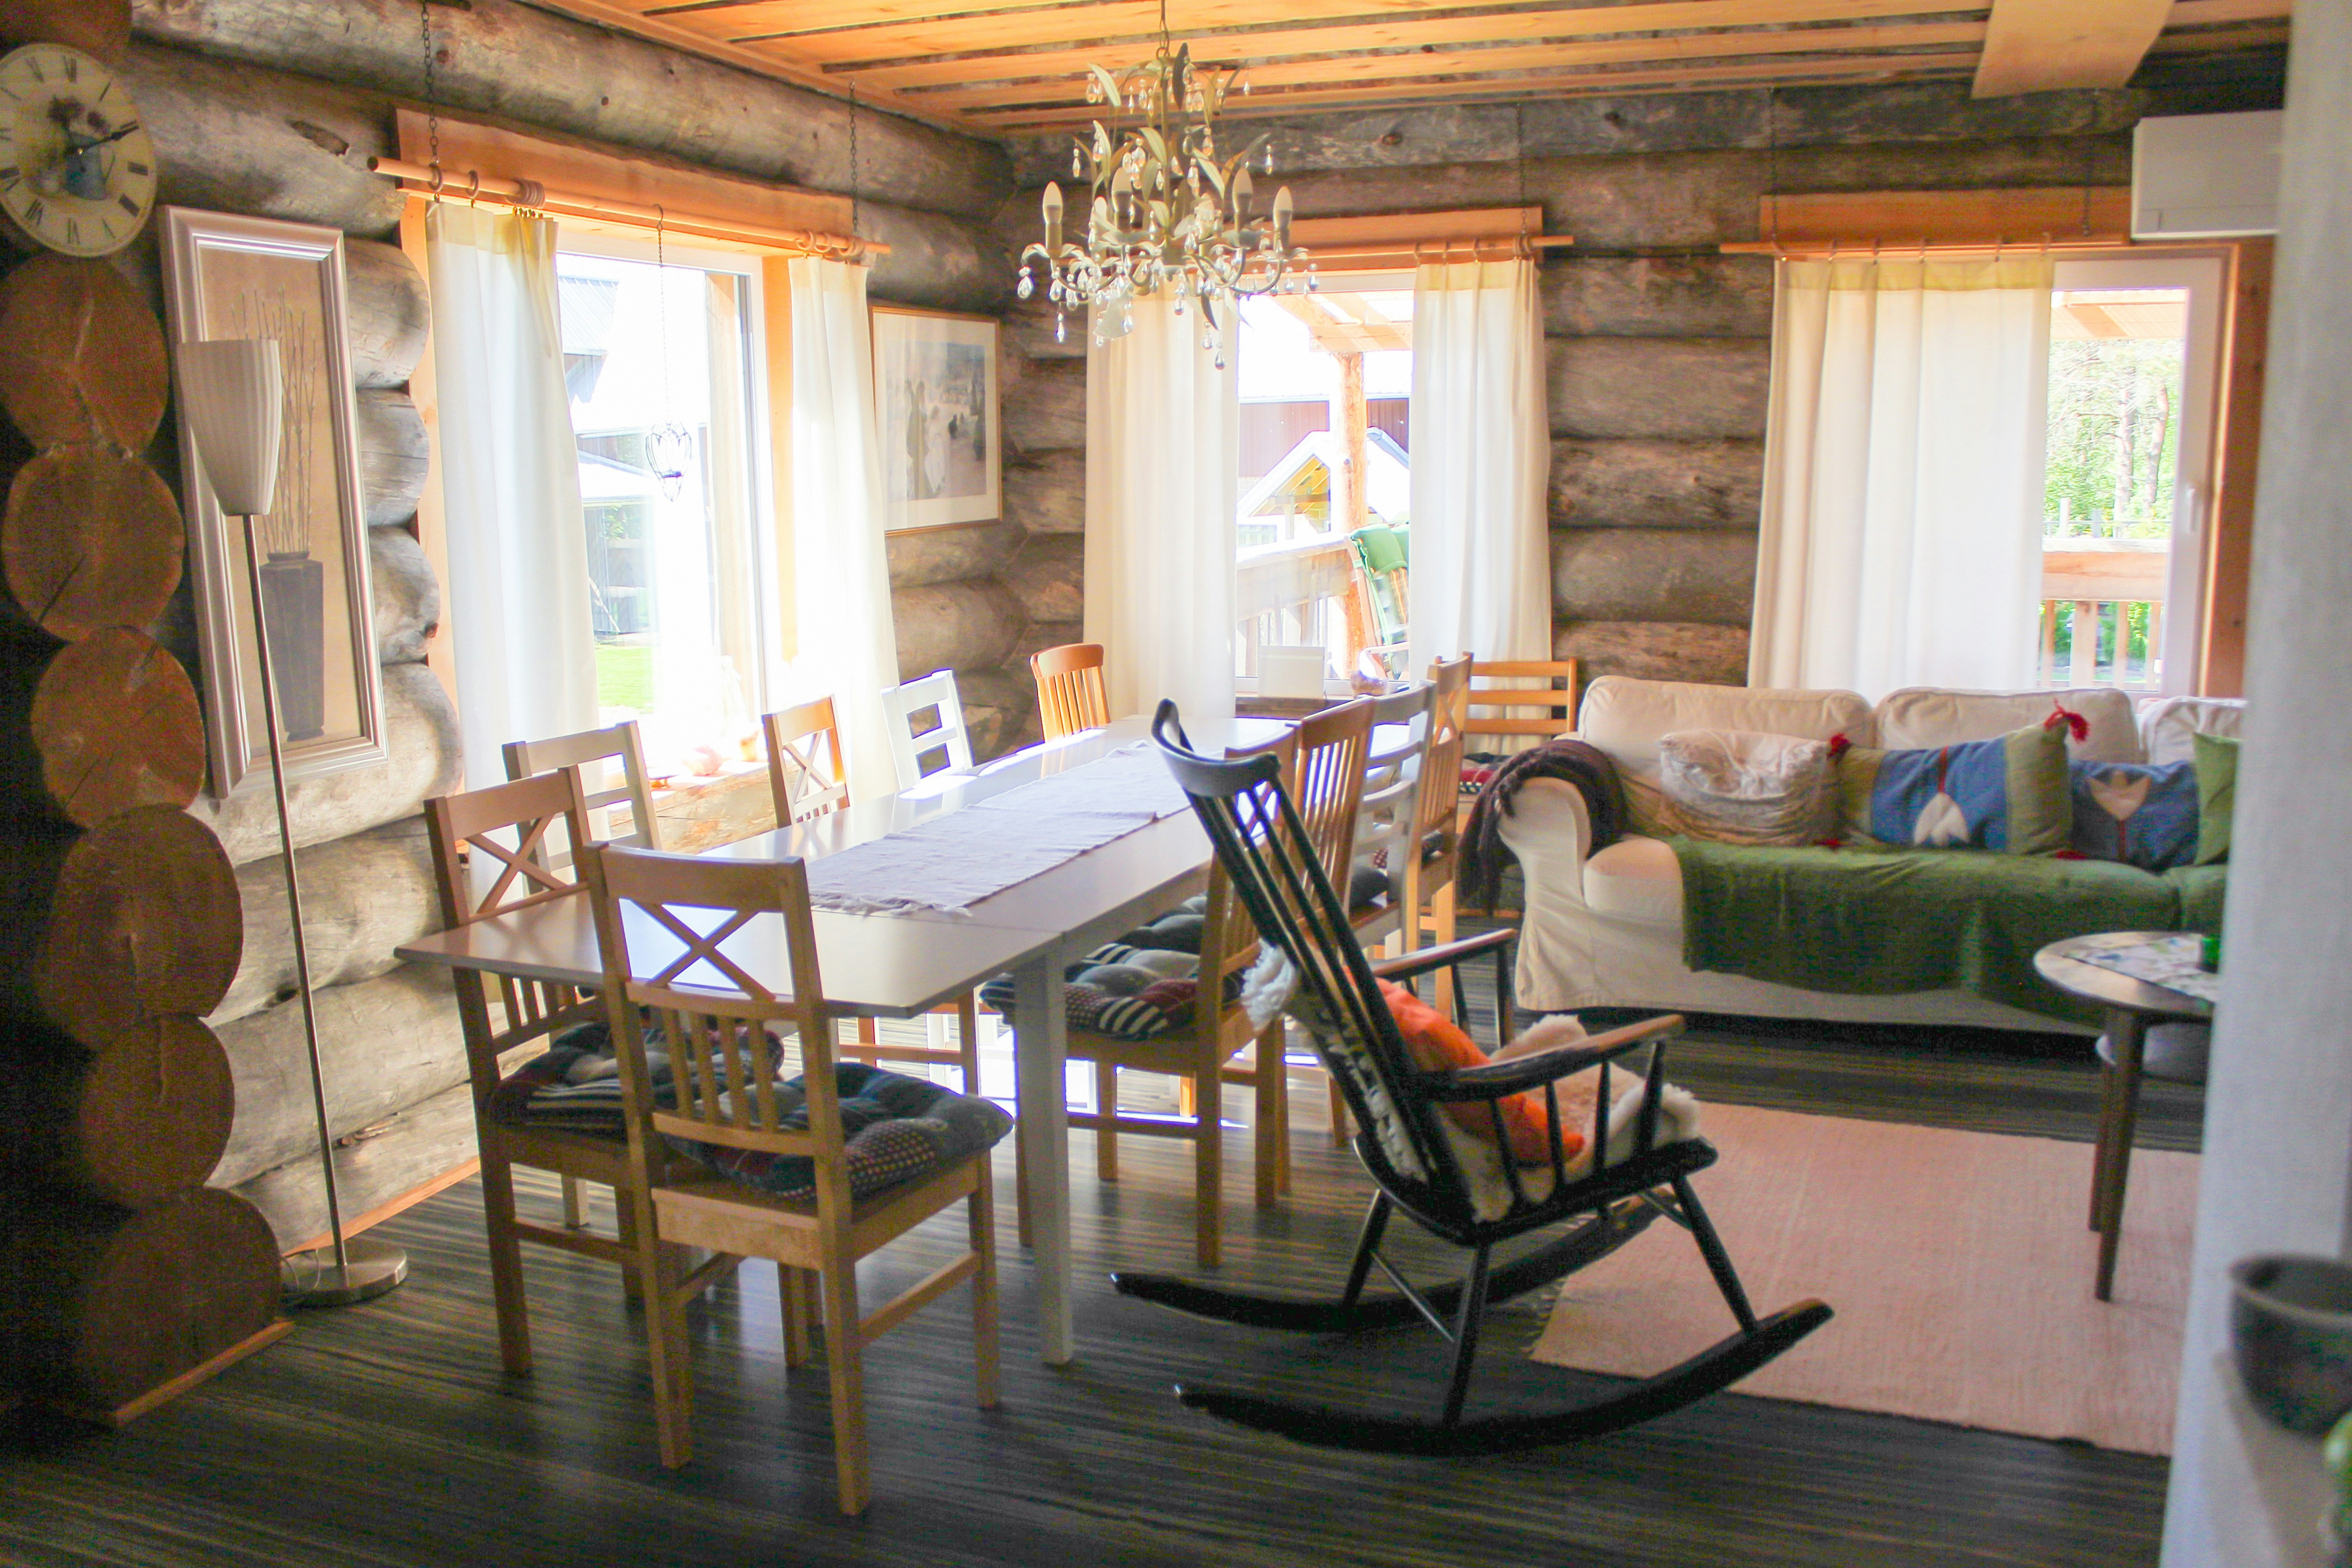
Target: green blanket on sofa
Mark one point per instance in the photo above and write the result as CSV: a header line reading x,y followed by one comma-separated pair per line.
x,y
1878,923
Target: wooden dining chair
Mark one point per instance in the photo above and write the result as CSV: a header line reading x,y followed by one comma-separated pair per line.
x,y
1070,692
949,737
1195,1053
1431,874
507,828
1326,781
804,772
664,922
1521,712
619,747
805,765
620,751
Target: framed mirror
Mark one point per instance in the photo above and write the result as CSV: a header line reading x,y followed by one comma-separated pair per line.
x,y
234,277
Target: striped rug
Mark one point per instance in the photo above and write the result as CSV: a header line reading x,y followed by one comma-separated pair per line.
x,y
1958,1263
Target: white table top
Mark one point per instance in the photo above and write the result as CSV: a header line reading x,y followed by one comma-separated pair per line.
x,y
897,966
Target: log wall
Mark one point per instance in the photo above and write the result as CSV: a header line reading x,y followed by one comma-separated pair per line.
x,y
1657,346
273,108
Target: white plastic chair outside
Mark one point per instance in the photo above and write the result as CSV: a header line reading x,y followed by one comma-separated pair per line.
x,y
950,740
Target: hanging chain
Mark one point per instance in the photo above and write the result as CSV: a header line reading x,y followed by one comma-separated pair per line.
x,y
432,98
1772,157
852,159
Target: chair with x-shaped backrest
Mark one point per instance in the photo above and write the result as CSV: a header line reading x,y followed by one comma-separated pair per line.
x,y
495,852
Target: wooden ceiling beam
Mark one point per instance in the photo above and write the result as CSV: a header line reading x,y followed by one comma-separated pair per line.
x,y
941,62
1833,44
800,20
2041,46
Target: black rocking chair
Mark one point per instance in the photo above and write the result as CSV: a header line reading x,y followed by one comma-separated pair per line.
x,y
1456,1186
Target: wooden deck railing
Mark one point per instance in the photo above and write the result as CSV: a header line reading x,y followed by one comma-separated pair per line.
x,y
1286,594
2088,589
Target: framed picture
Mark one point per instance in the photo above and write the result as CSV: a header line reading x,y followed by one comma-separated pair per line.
x,y
230,277
935,406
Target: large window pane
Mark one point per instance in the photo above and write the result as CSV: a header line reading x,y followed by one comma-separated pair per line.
x,y
656,361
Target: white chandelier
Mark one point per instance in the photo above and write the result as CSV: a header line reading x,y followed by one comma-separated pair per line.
x,y
1161,211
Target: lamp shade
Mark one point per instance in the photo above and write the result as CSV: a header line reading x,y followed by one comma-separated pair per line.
x,y
232,394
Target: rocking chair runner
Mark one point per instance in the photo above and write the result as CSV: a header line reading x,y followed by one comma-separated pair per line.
x,y
1456,1187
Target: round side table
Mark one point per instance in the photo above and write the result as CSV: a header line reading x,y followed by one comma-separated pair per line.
x,y
2131,1006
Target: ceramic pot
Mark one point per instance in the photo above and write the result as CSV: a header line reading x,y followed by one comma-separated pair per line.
x,y
2290,1334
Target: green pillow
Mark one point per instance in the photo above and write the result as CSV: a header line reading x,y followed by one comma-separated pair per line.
x,y
2217,796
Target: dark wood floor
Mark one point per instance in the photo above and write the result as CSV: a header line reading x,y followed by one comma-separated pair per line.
x,y
385,1434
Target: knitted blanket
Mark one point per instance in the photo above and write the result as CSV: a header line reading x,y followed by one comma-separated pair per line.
x,y
1587,768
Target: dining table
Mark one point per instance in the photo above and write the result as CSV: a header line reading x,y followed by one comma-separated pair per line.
x,y
904,963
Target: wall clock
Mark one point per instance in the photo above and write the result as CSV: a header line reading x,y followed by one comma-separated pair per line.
x,y
77,171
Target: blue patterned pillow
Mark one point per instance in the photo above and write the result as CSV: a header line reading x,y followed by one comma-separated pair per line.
x,y
2009,793
2144,816
894,1128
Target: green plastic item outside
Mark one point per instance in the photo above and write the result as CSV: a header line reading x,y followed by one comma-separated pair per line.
x,y
1379,548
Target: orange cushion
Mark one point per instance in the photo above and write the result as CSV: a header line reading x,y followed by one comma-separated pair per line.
x,y
1437,1044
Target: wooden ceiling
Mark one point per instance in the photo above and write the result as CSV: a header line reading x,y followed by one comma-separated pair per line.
x,y
1012,67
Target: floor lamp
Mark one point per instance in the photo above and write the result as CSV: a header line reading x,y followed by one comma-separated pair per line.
x,y
232,395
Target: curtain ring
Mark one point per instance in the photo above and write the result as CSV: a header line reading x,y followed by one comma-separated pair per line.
x,y
474,191
439,179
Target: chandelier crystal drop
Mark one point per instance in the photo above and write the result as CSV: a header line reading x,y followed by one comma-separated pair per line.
x,y
1163,212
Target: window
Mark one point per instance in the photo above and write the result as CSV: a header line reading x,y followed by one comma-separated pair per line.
x,y
2132,350
1322,557
659,361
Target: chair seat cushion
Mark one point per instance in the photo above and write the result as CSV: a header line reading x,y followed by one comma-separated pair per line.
x,y
894,1128
1636,878
1126,992
1437,1044
574,1086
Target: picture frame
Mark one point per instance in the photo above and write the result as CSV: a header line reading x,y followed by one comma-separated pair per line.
x,y
227,275
937,410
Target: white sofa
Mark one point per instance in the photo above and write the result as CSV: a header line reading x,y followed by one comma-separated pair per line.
x,y
1606,930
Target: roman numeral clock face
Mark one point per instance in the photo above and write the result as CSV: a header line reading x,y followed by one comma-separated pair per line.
x,y
77,171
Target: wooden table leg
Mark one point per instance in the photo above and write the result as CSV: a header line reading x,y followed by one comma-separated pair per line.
x,y
1040,1053
2104,1143
2126,1033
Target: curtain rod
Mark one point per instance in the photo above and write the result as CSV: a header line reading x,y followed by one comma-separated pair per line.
x,y
1920,249
474,188
1510,246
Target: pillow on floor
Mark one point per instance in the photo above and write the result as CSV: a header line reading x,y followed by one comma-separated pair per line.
x,y
2010,794
2142,815
1436,1043
1743,787
2217,796
894,1128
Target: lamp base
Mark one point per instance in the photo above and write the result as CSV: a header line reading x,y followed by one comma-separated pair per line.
x,y
314,1279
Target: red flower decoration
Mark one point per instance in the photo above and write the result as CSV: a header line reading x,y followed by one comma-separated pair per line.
x,y
2076,725
1839,745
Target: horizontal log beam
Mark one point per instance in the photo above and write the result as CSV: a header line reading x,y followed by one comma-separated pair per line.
x,y
407,597
1045,492
389,314
1371,138
1656,484
922,556
421,734
521,63
395,454
385,1044
1655,650
361,897
1658,296
1049,577
1046,408
969,626
1658,388
1683,574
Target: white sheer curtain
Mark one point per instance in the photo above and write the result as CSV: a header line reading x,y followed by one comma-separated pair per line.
x,y
848,645
1902,475
518,588
1481,452
1163,440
